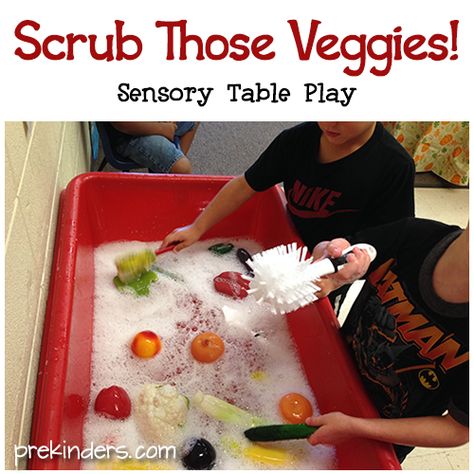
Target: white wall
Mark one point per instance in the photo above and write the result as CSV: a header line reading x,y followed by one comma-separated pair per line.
x,y
40,159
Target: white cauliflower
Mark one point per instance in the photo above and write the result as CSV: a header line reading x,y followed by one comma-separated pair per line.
x,y
160,410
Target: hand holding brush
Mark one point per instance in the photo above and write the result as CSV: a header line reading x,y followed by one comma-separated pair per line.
x,y
358,262
288,280
132,265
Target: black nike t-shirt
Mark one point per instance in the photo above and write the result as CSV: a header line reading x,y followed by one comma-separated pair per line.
x,y
372,186
411,347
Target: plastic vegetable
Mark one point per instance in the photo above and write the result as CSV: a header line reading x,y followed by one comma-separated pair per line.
x,y
133,465
113,402
244,256
140,285
131,266
160,411
232,284
279,432
295,408
260,454
226,412
221,248
258,375
198,454
146,344
272,456
207,347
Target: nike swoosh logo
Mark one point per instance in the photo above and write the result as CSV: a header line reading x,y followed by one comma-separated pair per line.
x,y
316,214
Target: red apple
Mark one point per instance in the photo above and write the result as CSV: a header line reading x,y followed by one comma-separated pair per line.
x,y
113,402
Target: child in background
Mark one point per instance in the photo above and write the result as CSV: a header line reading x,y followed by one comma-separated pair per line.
x,y
339,177
159,146
408,332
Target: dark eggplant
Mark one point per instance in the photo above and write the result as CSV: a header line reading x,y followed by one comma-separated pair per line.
x,y
243,256
198,454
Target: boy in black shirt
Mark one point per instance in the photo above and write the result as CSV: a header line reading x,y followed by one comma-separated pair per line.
x,y
339,177
408,331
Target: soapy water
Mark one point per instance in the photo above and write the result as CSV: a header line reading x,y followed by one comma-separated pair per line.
x,y
258,367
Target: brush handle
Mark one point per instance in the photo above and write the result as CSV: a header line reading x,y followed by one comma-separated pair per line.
x,y
166,249
333,265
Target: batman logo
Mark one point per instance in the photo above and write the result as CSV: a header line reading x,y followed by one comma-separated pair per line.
x,y
428,379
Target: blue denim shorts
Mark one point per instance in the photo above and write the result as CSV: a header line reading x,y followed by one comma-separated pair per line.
x,y
154,151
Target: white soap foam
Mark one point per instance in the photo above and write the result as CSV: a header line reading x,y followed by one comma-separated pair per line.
x,y
177,311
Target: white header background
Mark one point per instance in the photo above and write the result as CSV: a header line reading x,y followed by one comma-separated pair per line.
x,y
86,89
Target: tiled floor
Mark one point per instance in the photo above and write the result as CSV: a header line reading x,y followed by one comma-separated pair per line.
x,y
446,205
450,206
438,459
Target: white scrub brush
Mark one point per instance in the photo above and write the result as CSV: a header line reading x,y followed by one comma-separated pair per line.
x,y
286,280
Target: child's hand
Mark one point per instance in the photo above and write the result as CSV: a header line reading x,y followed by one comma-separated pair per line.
x,y
333,248
333,428
168,130
357,265
182,236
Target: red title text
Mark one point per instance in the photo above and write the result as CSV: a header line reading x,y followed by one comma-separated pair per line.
x,y
360,52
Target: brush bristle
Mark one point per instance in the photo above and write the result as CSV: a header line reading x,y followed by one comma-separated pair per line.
x,y
284,278
131,266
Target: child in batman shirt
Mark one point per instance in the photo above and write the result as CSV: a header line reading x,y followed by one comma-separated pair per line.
x,y
408,332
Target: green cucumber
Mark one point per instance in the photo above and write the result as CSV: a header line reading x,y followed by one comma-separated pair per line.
x,y
279,432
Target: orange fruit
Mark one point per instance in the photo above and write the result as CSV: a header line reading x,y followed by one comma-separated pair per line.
x,y
146,344
207,347
295,408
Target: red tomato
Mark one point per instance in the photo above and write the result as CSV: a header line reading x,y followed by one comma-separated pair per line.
x,y
146,344
113,402
207,347
295,408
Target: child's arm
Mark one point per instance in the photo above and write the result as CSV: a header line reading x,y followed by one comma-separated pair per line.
x,y
226,201
426,431
165,129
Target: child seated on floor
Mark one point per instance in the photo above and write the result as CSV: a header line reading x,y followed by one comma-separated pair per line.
x,y
162,147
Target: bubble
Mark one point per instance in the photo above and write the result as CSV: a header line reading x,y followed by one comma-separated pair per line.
x,y
178,310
